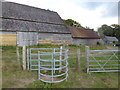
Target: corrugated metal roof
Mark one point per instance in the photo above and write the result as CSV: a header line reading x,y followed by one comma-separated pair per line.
x,y
83,33
111,38
18,17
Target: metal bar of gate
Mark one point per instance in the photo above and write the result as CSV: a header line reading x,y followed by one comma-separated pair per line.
x,y
39,65
106,69
50,65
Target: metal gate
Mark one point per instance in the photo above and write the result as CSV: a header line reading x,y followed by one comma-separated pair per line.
x,y
102,60
51,63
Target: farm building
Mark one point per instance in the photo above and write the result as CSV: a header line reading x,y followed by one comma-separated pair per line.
x,y
26,25
108,40
84,36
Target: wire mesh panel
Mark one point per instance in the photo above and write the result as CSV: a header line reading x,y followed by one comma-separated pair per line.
x,y
103,61
51,63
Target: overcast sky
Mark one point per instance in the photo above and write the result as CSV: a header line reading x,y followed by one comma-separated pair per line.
x,y
91,13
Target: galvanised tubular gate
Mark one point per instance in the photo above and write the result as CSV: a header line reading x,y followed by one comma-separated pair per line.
x,y
51,63
102,60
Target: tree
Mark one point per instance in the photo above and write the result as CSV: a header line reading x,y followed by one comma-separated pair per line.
x,y
105,30
116,30
113,30
71,22
108,31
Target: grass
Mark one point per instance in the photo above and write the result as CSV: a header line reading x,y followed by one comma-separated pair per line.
x,y
12,73
14,77
82,80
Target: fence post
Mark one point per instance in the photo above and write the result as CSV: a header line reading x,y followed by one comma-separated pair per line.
x,y
87,58
28,58
24,57
18,55
60,57
78,60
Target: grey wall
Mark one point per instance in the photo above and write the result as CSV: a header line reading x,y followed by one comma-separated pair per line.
x,y
86,41
32,38
27,38
55,37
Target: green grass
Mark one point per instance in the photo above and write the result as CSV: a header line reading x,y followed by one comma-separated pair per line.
x,y
12,73
14,77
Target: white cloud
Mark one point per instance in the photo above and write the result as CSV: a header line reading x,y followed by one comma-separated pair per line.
x,y
68,9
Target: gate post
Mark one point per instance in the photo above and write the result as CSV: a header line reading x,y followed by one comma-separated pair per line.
x,y
78,60
24,57
87,58
60,57
28,59
18,55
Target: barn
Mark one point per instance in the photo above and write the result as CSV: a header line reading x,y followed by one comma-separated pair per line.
x,y
84,36
109,39
26,25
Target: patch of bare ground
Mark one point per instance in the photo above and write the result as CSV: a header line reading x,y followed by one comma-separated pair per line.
x,y
50,79
21,83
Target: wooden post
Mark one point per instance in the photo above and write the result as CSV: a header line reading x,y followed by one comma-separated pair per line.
x,y
18,55
87,58
78,60
28,58
24,57
60,57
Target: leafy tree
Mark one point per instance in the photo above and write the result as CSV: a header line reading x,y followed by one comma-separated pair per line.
x,y
113,30
100,32
108,31
105,30
71,22
116,30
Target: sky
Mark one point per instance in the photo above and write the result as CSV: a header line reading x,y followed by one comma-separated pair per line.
x,y
90,13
